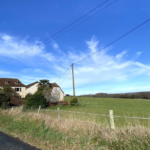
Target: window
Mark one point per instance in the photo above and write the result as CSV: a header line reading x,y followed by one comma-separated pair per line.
x,y
56,90
17,89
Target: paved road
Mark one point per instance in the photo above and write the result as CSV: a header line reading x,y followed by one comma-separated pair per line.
x,y
11,143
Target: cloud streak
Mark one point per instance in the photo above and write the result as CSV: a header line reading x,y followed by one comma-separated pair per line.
x,y
96,70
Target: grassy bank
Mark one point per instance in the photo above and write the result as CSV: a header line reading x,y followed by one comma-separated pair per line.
x,y
47,132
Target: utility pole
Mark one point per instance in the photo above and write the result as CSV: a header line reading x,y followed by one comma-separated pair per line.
x,y
73,81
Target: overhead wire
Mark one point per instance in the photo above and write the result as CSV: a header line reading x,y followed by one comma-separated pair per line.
x,y
63,73
59,30
78,25
3,73
109,44
81,23
69,30
76,20
114,41
85,19
65,77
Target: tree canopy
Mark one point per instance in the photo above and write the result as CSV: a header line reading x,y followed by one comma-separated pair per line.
x,y
43,83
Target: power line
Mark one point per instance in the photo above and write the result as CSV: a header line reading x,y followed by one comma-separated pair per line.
x,y
3,73
85,20
63,73
64,77
76,25
76,20
114,41
61,30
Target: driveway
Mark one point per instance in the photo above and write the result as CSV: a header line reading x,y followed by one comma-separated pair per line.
x,y
10,143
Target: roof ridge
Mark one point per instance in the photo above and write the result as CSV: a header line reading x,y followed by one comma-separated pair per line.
x,y
11,83
27,86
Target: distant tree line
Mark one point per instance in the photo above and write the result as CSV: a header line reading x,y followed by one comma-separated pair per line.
x,y
139,95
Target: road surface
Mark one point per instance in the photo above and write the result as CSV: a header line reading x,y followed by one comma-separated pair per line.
x,y
10,143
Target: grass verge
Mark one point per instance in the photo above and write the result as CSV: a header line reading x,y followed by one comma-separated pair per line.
x,y
45,132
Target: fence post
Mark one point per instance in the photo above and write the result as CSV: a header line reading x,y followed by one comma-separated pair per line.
x,y
38,110
58,113
112,125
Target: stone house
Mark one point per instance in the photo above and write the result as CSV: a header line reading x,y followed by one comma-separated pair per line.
x,y
16,84
56,95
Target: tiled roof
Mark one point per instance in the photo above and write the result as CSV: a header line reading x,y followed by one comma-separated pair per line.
x,y
29,85
56,85
11,82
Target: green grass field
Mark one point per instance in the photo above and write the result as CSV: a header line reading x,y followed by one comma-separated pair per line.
x,y
82,131
130,107
120,107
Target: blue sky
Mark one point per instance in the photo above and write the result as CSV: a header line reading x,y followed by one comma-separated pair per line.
x,y
121,67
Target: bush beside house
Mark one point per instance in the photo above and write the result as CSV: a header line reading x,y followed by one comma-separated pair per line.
x,y
73,101
35,101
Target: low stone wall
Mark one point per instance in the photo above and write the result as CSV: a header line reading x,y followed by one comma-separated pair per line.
x,y
17,101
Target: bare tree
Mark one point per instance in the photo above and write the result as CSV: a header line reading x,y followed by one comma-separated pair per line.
x,y
47,93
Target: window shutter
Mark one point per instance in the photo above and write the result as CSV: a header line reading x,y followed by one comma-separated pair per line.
x,y
20,89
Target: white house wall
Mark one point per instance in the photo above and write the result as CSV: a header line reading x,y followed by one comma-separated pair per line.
x,y
56,91
22,93
32,89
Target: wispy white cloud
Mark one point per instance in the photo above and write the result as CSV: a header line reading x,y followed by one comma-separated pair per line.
x,y
103,67
99,68
11,46
30,70
138,54
120,55
56,47
23,50
4,73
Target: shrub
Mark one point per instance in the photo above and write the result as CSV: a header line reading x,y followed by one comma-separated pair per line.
x,y
3,98
35,100
4,105
29,94
73,101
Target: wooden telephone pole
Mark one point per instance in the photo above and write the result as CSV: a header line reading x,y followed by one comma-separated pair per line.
x,y
73,81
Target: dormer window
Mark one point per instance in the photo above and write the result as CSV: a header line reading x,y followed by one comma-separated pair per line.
x,y
7,82
16,82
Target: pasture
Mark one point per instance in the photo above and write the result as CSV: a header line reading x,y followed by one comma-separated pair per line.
x,y
120,107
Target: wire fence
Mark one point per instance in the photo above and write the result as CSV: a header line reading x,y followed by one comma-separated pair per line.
x,y
84,116
85,113
96,114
